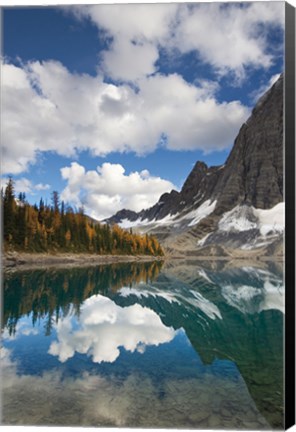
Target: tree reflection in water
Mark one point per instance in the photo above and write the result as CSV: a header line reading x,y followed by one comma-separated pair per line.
x,y
51,293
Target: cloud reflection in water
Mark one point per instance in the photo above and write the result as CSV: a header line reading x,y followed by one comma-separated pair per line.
x,y
135,401
104,327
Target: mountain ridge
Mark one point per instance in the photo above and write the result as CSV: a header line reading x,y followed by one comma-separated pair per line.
x,y
250,179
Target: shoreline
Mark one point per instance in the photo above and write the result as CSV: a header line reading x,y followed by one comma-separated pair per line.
x,y
24,260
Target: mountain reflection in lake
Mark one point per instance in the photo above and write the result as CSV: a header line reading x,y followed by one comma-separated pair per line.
x,y
137,345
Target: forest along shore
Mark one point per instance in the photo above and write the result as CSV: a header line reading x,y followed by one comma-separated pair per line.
x,y
22,260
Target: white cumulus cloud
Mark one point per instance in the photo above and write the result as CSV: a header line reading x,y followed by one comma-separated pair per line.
x,y
128,61
48,108
229,37
137,31
30,120
108,189
45,107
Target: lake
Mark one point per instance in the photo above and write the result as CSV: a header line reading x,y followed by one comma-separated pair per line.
x,y
179,345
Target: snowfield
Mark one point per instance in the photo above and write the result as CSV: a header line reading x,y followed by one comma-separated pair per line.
x,y
245,218
201,212
272,220
194,217
244,227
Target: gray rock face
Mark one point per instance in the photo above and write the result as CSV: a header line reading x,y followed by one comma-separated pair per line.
x,y
198,188
200,183
253,172
121,215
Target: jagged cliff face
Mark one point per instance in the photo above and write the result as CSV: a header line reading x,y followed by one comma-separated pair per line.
x,y
197,189
253,173
233,206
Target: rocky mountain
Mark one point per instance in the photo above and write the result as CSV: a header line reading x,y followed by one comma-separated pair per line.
x,y
237,206
197,189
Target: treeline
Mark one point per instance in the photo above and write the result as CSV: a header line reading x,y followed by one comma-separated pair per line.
x,y
56,227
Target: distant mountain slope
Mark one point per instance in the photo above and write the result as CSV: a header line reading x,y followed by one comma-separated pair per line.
x,y
197,189
238,205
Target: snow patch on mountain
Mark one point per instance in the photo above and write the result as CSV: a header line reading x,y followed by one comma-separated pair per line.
x,y
202,241
201,212
193,216
126,223
245,218
272,220
240,218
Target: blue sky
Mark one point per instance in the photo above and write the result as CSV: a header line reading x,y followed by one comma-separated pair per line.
x,y
113,105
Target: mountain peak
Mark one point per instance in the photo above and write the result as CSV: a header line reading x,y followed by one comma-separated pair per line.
x,y
200,166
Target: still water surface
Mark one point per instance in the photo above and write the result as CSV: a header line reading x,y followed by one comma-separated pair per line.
x,y
138,345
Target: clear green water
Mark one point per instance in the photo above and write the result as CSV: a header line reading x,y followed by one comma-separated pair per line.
x,y
137,345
